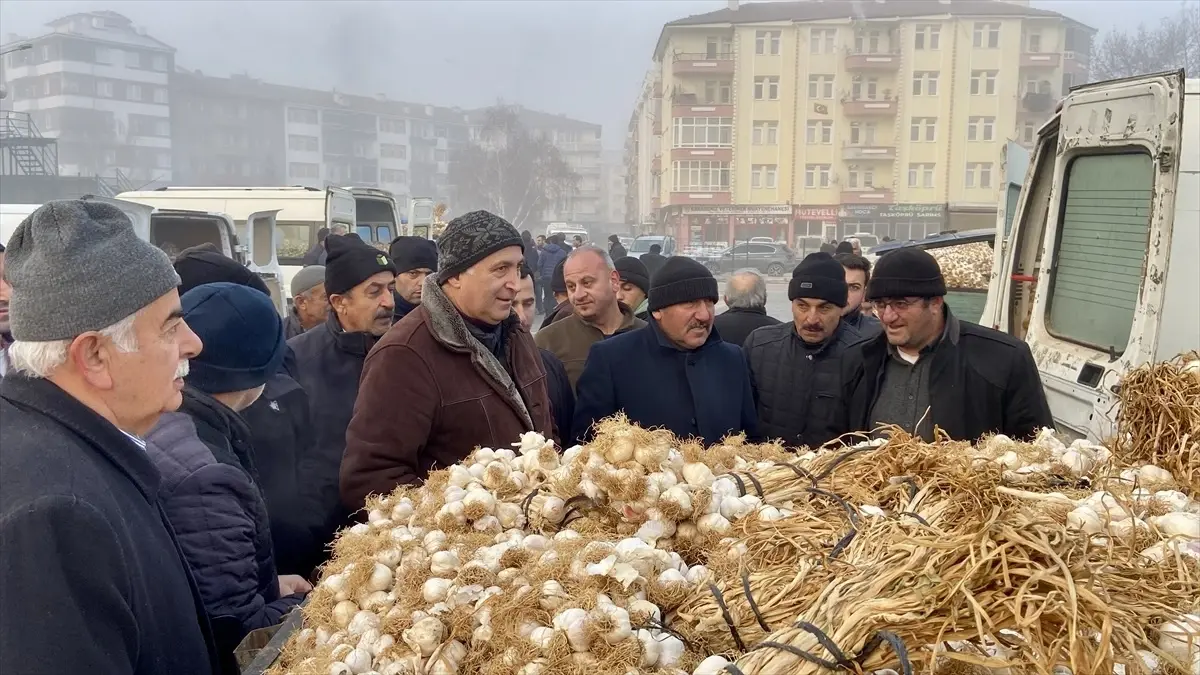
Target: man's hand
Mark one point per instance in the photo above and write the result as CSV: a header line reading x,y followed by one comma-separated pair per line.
x,y
293,583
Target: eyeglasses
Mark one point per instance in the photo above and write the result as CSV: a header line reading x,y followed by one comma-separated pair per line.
x,y
898,305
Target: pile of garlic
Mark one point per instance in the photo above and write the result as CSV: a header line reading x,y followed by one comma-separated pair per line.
x,y
966,265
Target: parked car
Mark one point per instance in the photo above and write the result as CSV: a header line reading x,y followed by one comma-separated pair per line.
x,y
866,240
643,243
806,244
770,259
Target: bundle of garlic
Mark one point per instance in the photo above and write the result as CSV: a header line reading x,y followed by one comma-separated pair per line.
x,y
967,266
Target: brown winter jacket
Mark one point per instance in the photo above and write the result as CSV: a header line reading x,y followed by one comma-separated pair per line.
x,y
430,393
570,339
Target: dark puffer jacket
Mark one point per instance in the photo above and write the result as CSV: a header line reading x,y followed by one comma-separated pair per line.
x,y
548,259
209,493
283,454
797,389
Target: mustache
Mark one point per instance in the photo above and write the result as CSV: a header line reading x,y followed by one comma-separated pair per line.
x,y
182,370
812,327
383,314
699,324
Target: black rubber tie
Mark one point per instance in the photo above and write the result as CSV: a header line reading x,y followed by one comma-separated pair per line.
x,y
732,669
841,458
915,516
757,485
527,502
737,639
843,543
741,485
850,512
796,651
824,640
877,639
799,471
762,623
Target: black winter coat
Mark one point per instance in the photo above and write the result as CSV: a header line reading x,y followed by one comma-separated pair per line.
x,y
616,251
704,393
92,579
797,390
548,259
328,364
210,494
283,454
736,323
653,261
980,381
867,326
562,397
531,259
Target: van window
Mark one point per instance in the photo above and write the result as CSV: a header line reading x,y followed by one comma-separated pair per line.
x,y
1102,242
365,233
294,240
383,234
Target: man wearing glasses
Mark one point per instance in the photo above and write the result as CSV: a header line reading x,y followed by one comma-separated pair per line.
x,y
930,369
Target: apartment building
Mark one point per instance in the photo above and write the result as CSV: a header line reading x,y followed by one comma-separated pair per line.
x,y
100,86
643,157
823,119
579,144
613,181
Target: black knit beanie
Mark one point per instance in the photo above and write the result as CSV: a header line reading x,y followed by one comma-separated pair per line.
x,y
413,253
633,271
470,238
819,277
844,247
558,278
205,264
681,280
906,272
352,261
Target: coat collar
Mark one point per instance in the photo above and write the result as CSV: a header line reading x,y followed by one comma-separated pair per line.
x,y
665,342
358,344
450,330
747,310
102,436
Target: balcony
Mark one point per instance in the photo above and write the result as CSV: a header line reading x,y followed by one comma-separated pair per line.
x,y
716,154
1075,63
707,64
655,203
658,89
699,197
685,105
862,152
656,164
1035,104
579,146
868,107
869,196
879,61
658,125
1040,60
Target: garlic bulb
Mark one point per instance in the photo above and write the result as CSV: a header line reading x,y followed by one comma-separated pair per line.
x,y
713,665
670,649
697,475
573,621
424,636
649,648
359,661
1181,639
381,578
343,612
1085,520
362,621
444,563
1185,525
436,589
713,523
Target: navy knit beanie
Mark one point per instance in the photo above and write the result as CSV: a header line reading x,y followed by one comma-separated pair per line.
x,y
242,335
681,280
819,277
906,272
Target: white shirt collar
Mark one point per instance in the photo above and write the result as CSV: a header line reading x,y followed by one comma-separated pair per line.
x,y
137,441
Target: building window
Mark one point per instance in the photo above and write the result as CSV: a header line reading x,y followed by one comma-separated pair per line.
x,y
163,160
1033,42
766,88
393,151
104,89
162,128
1068,81
864,88
700,176
1098,271
718,91
816,176
133,59
302,116
983,82
393,176
765,133
822,40
160,96
867,41
925,83
819,132
1028,132
392,126
862,133
981,128
440,155
159,63
767,42
923,129
979,174
987,35
104,56
764,176
927,36
304,170
703,132
134,92
820,86
718,48
299,143
860,179
920,175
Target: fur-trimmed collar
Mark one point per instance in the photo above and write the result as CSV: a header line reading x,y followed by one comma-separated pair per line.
x,y
448,327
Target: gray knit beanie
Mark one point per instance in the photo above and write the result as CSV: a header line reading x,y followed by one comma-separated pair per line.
x,y
470,238
77,266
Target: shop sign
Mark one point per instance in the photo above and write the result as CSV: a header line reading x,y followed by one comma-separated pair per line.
x,y
816,213
707,221
761,220
736,210
894,211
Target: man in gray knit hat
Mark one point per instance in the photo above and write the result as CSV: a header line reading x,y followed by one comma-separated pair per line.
x,y
100,352
467,372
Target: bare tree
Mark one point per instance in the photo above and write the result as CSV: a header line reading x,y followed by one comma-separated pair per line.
x,y
510,170
1173,44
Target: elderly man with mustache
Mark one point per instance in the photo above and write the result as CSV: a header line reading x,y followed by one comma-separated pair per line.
x,y
676,373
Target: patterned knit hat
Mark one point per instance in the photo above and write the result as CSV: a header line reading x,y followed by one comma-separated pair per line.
x,y
470,238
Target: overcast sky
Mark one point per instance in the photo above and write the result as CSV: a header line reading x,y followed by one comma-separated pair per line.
x,y
582,58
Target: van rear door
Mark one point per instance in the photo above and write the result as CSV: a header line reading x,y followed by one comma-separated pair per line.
x,y
1085,266
261,237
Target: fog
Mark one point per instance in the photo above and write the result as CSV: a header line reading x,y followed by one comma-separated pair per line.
x,y
580,58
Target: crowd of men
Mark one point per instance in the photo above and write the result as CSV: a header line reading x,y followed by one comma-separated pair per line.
x,y
177,456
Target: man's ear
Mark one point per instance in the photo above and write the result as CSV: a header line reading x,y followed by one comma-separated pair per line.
x,y
91,355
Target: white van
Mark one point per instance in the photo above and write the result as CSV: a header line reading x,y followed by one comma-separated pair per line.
x,y
1101,269
299,213
376,216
